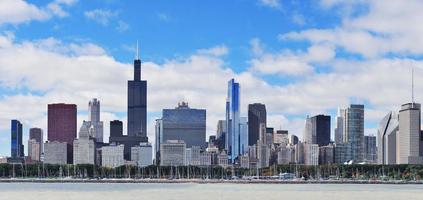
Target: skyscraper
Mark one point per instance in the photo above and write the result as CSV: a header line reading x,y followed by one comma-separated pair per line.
x,y
116,128
243,135
354,131
256,115
370,149
232,120
62,125
317,130
35,143
339,129
137,102
387,139
409,134
17,148
186,124
94,120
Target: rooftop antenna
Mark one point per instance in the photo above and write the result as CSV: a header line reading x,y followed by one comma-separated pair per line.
x,y
137,56
412,84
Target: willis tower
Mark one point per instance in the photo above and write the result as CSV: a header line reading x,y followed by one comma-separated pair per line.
x,y
137,102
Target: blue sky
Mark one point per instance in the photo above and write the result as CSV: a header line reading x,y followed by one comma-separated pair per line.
x,y
298,57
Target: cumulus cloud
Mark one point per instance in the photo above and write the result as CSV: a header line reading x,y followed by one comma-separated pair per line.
x,y
20,11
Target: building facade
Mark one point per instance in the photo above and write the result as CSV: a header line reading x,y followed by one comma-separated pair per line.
x,y
408,139
387,139
17,148
62,125
232,142
370,155
172,153
317,130
256,116
56,152
354,131
112,156
137,103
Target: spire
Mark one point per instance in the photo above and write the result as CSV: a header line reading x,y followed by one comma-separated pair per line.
x,y
412,84
137,56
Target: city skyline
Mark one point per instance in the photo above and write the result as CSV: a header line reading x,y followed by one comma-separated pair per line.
x,y
289,77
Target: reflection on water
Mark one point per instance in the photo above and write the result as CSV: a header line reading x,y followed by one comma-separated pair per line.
x,y
105,191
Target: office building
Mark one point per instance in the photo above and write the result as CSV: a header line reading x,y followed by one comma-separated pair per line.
x,y
112,156
281,138
116,128
284,155
339,129
342,153
294,139
17,148
117,137
243,135
370,149
221,134
172,153
311,154
256,116
317,130
354,131
232,142
62,125
137,102
408,138
34,150
56,152
84,146
142,155
327,154
94,121
184,123
387,139
38,135
299,153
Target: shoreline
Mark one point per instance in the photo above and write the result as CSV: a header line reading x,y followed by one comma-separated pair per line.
x,y
210,181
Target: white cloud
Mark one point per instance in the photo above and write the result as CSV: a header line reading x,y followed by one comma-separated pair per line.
x,y
298,19
100,16
19,11
271,3
122,26
220,50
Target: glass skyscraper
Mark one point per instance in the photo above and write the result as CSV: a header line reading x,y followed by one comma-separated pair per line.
x,y
354,131
17,148
256,116
137,103
232,143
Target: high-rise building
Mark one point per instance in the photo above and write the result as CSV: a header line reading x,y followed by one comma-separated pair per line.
x,y
112,156
370,149
172,153
232,120
342,153
281,137
339,129
243,135
326,154
354,131
311,154
56,152
221,134
17,148
38,135
94,120
256,116
294,139
263,149
116,128
317,130
62,125
408,139
137,102
184,123
34,150
84,146
387,139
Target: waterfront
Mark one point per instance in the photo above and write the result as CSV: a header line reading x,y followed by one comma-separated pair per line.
x,y
207,191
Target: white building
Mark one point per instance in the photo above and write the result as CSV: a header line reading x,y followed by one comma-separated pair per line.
x,y
311,154
84,147
112,156
408,138
34,150
94,117
205,159
55,153
173,153
285,155
387,139
281,137
142,155
222,159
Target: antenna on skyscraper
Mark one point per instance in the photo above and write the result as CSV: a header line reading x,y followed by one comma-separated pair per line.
x,y
138,55
412,84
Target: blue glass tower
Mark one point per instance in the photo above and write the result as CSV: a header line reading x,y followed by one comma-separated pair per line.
x,y
233,139
17,148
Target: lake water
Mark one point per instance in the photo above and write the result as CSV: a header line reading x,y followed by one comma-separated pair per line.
x,y
106,191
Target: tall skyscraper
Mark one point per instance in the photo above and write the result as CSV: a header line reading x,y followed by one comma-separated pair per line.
x,y
116,128
339,129
94,120
17,148
186,124
317,130
62,125
256,115
243,135
137,102
408,138
35,143
354,131
387,139
232,120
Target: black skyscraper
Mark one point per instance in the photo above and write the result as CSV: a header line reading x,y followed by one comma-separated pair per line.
x,y
137,103
256,116
322,124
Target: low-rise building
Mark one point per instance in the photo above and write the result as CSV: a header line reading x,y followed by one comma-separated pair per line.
x,y
173,153
55,153
112,156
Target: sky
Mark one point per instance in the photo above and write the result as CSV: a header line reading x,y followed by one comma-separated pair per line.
x,y
298,57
